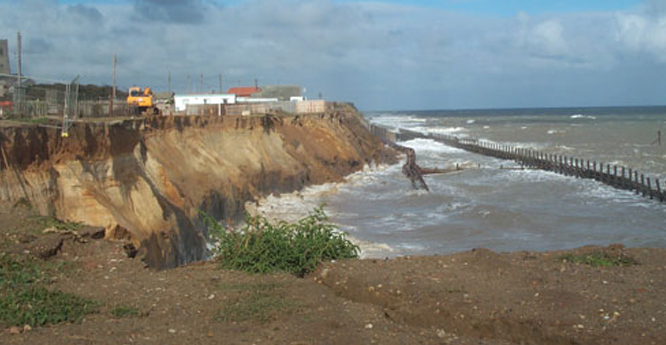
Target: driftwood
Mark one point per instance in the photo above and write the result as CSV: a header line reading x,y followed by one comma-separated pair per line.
x,y
411,169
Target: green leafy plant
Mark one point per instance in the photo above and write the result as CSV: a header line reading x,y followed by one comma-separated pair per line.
x,y
263,247
600,259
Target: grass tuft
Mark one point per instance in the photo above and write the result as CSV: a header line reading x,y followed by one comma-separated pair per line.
x,y
297,248
25,301
600,259
259,303
124,311
46,222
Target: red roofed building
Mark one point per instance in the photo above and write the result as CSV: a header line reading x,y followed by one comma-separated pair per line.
x,y
244,91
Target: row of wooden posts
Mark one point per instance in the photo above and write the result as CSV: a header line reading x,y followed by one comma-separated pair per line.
x,y
618,177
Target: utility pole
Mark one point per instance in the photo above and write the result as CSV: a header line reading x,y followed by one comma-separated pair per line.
x,y
189,84
19,92
220,77
115,64
113,91
201,88
169,82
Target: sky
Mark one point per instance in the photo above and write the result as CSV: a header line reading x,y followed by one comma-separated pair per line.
x,y
381,55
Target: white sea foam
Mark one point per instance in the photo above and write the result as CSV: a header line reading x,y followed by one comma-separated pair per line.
x,y
429,145
398,121
581,116
556,131
470,121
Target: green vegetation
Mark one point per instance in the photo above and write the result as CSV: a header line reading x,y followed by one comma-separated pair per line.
x,y
46,222
24,300
600,259
262,247
124,311
259,303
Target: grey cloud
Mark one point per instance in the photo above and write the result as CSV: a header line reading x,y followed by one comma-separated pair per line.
x,y
86,12
177,11
38,45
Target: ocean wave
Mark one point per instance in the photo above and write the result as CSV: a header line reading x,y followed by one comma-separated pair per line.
x,y
469,122
556,131
396,121
458,131
429,145
581,116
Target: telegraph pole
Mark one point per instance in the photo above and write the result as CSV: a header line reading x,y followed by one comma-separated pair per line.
x,y
201,88
115,64
19,92
169,82
113,90
220,77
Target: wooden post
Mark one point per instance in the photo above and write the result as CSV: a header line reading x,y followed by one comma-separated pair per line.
x,y
649,187
636,185
615,181
643,184
661,196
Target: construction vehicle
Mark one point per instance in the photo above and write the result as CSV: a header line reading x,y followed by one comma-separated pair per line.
x,y
144,99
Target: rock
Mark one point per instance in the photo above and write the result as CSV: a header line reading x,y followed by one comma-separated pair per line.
x,y
368,326
14,330
27,328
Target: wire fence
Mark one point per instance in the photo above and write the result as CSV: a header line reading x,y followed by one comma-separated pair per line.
x,y
38,97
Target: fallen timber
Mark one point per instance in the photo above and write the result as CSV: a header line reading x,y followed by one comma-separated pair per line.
x,y
618,177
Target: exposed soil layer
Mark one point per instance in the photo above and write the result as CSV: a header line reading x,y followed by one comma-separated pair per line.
x,y
147,179
475,297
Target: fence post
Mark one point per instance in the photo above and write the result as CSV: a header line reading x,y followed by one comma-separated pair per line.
x,y
649,187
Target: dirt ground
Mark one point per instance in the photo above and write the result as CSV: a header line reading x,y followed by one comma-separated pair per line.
x,y
475,297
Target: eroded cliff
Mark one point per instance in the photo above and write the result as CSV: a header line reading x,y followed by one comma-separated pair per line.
x,y
146,179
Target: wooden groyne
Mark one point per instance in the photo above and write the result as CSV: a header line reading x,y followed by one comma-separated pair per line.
x,y
616,176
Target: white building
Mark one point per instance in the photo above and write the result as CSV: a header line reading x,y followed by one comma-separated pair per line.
x,y
182,101
255,100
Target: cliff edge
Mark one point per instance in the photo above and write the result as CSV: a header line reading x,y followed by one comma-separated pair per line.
x,y
146,179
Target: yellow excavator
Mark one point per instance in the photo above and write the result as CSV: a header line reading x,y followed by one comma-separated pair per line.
x,y
142,98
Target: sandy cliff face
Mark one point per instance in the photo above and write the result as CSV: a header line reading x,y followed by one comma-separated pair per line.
x,y
147,179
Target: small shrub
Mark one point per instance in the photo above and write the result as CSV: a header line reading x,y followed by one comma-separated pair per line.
x,y
263,247
124,311
600,259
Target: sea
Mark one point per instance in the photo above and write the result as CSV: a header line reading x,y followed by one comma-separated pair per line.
x,y
487,204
